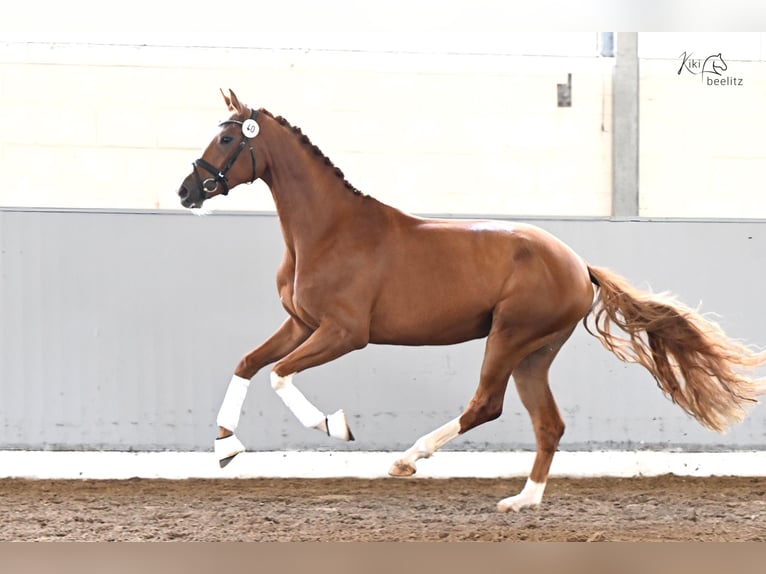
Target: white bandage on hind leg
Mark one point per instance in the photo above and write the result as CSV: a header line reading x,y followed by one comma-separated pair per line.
x,y
228,415
308,415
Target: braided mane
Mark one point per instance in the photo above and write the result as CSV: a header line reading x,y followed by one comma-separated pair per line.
x,y
304,139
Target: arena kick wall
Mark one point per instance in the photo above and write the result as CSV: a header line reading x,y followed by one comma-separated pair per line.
x,y
120,330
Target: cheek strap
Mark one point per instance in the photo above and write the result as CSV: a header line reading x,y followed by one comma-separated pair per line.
x,y
219,175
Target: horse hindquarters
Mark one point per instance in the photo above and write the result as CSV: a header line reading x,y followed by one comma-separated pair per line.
x,y
546,292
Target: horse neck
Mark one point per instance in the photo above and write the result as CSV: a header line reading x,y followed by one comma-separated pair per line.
x,y
311,200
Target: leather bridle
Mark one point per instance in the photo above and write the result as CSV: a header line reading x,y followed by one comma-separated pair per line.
x,y
209,185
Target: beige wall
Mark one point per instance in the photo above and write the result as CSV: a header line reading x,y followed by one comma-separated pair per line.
x,y
702,151
117,126
702,147
101,126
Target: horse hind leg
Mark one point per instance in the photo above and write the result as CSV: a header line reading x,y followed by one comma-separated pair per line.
x,y
531,379
486,405
424,447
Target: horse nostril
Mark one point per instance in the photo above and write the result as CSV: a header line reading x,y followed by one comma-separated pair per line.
x,y
183,193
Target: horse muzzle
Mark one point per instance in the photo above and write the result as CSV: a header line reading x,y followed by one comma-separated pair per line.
x,y
187,198
193,193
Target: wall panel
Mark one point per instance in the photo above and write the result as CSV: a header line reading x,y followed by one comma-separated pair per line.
x,y
120,330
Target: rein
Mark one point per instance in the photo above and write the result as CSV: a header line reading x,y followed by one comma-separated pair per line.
x,y
209,185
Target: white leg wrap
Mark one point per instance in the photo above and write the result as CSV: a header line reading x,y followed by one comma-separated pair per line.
x,y
228,415
530,495
308,415
337,426
227,448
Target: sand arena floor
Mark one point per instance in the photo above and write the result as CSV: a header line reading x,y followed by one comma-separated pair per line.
x,y
660,508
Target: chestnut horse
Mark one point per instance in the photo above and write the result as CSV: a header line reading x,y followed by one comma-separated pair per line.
x,y
356,271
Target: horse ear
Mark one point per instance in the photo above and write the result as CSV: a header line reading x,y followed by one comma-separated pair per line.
x,y
227,100
235,105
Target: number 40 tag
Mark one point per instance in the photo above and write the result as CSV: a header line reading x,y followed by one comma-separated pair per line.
x,y
250,128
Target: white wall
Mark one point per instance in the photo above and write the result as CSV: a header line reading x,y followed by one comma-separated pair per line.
x,y
453,133
439,117
702,150
420,108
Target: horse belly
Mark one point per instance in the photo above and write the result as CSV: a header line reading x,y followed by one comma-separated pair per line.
x,y
442,285
423,319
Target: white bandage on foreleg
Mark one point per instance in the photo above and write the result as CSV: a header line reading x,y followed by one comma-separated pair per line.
x,y
228,415
308,415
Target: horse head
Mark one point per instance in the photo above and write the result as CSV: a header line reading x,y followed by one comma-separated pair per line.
x,y
223,166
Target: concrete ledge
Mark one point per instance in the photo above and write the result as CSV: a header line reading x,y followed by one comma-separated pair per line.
x,y
293,464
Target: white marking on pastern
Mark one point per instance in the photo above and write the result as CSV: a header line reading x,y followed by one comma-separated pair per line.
x,y
530,495
424,447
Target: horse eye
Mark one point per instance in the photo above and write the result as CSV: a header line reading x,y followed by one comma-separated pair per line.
x,y
226,139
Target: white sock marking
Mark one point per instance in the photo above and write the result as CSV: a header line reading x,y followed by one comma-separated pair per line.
x,y
530,495
428,444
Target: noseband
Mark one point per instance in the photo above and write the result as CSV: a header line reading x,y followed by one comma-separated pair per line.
x,y
209,185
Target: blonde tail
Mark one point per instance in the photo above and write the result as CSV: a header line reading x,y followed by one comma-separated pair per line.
x,y
695,364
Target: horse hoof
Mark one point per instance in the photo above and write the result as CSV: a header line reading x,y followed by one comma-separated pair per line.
x,y
227,448
224,461
401,468
515,504
505,507
337,426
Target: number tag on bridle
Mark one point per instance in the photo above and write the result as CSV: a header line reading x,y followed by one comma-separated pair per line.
x,y
250,128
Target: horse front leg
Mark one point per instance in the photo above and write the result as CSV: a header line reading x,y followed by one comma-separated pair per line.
x,y
328,342
283,341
